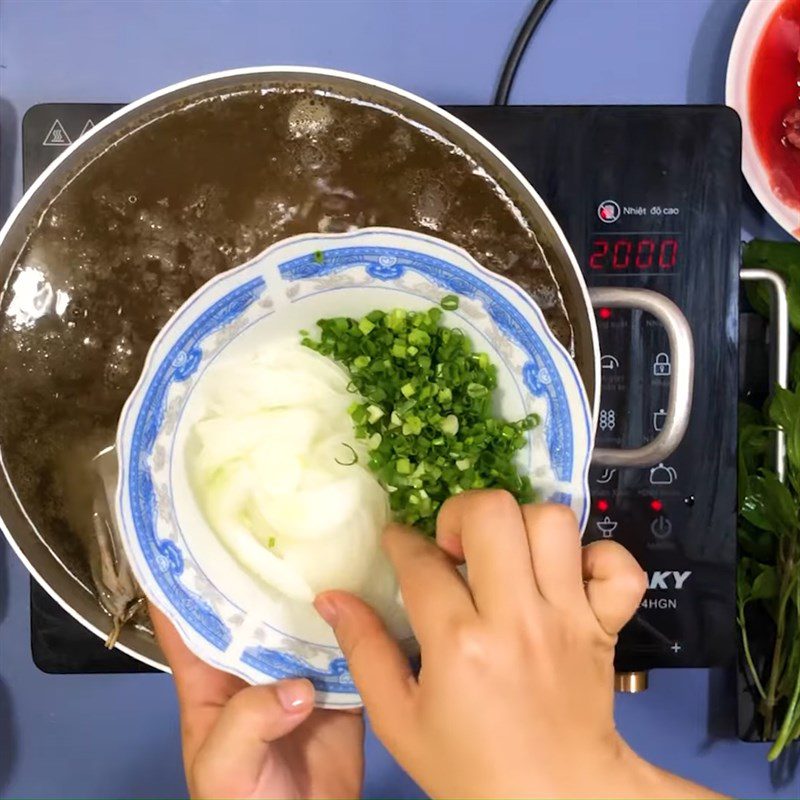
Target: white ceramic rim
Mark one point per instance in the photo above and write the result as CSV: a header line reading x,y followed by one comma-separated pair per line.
x,y
256,72
737,90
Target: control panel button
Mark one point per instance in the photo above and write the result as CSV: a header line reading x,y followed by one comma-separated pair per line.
x,y
607,421
662,366
606,527
662,475
609,363
661,527
606,476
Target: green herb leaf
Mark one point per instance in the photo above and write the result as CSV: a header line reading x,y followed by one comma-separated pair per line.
x,y
784,411
768,571
793,299
768,504
757,544
783,258
765,585
754,445
752,509
794,368
784,408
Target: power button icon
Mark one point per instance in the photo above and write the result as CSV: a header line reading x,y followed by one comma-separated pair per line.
x,y
661,527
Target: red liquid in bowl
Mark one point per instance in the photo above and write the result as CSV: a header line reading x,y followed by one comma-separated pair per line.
x,y
774,94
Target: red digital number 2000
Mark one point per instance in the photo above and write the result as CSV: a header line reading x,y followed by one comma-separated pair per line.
x,y
632,255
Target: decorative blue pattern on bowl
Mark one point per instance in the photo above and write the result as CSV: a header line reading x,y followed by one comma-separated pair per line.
x,y
281,291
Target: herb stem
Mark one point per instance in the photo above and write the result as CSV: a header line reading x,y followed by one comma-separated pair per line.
x,y
791,721
784,595
748,657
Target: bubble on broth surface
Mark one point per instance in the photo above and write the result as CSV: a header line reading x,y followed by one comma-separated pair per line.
x,y
309,117
430,204
199,190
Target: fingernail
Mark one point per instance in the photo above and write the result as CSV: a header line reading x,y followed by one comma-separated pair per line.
x,y
327,609
294,695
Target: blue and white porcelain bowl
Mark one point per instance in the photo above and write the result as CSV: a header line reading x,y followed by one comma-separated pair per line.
x,y
223,613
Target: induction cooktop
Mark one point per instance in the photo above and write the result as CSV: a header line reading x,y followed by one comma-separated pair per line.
x,y
648,197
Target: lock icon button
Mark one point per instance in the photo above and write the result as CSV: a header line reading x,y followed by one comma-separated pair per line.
x,y
662,368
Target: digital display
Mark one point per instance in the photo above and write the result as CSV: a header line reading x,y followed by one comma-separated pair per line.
x,y
635,253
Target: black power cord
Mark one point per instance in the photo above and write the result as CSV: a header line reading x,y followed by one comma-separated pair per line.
x,y
518,50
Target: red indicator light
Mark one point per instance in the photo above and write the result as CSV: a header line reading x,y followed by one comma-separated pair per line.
x,y
605,313
656,505
602,505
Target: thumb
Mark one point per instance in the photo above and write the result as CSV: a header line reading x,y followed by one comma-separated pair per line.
x,y
615,584
380,671
238,744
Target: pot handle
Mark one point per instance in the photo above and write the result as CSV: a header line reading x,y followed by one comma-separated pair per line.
x,y
681,347
779,319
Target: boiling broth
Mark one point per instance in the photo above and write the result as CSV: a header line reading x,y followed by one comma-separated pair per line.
x,y
199,189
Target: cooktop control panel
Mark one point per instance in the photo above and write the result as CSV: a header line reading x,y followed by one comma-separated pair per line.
x,y
649,197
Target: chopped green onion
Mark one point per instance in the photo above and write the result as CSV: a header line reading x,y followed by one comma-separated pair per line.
x,y
412,426
419,337
449,302
450,425
374,413
348,463
403,466
423,408
319,256
476,390
358,413
396,319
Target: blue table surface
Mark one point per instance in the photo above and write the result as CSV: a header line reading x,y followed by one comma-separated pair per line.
x,y
117,735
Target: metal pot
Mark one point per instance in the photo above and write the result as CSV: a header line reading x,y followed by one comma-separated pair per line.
x,y
44,564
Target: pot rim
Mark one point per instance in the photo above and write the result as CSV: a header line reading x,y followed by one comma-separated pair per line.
x,y
277,71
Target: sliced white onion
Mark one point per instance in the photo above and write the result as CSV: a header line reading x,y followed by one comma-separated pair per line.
x,y
284,482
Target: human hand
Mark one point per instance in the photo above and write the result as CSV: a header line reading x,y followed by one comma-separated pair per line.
x,y
515,696
242,741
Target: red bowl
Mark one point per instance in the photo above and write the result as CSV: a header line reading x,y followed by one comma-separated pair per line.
x,y
762,85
